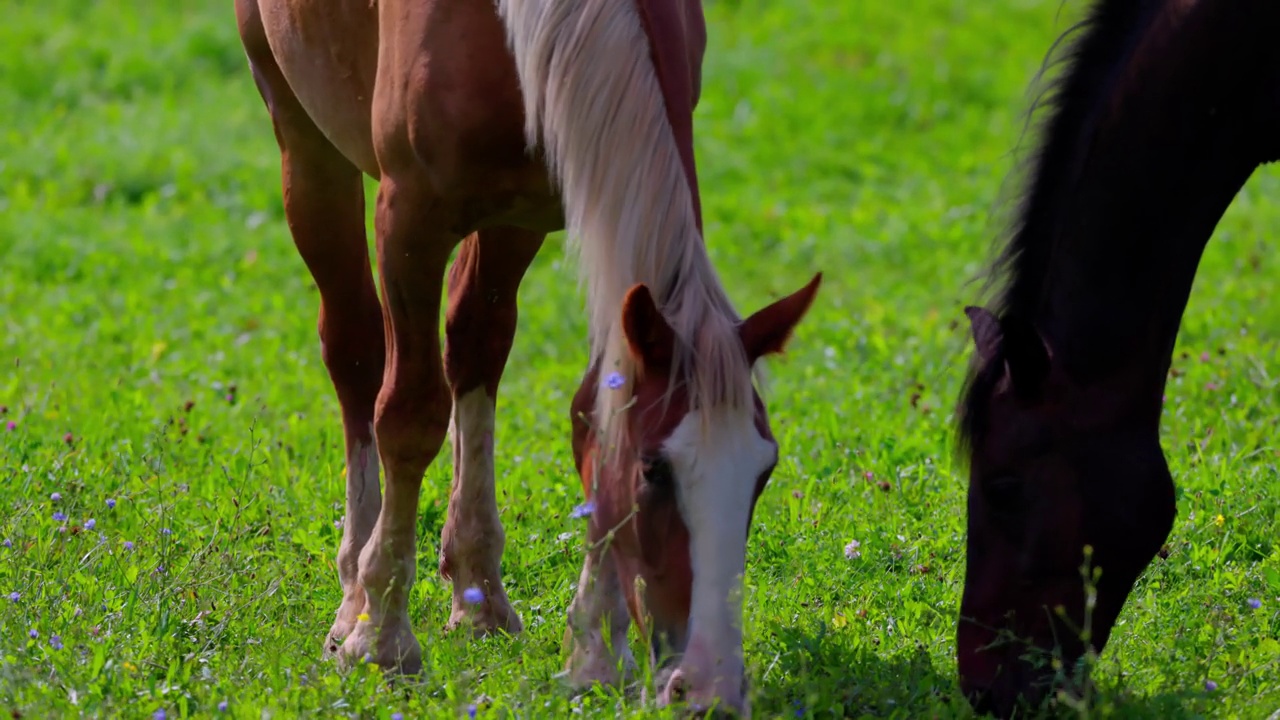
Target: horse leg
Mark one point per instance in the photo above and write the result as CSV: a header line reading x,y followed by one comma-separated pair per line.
x,y
598,624
480,325
324,206
411,417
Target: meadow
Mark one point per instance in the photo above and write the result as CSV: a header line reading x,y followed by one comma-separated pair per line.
x,y
171,465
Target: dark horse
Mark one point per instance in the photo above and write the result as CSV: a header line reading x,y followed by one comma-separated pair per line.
x,y
1164,110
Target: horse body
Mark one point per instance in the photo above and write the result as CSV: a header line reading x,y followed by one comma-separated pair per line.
x,y
1165,112
442,102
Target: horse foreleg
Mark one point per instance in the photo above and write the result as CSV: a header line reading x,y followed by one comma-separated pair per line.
x,y
480,326
411,418
598,622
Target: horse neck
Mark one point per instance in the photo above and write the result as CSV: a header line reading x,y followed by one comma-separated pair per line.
x,y
1169,146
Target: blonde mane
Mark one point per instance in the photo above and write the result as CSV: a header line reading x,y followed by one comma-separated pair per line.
x,y
593,101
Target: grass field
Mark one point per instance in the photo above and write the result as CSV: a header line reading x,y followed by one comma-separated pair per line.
x,y
161,372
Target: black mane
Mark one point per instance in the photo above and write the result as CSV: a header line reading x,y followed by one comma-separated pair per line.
x,y
1087,58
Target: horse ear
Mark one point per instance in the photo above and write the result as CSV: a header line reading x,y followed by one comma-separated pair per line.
x,y
768,330
1015,342
987,334
649,336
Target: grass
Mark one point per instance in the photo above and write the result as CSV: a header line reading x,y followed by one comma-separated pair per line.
x,y
159,350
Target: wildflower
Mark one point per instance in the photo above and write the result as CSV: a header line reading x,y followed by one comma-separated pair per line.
x,y
1219,520
111,503
15,596
1254,603
90,523
33,633
55,642
166,531
473,595
362,617
56,496
128,545
1210,685
583,510
11,426
337,524
615,380
68,438
851,550
397,716
471,710
159,715
222,706
60,516
8,543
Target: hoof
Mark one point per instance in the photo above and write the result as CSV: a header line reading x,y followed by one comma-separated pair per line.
x,y
394,649
491,615
703,702
591,663
344,623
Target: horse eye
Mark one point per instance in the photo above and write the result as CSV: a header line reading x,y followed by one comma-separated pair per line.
x,y
657,471
1003,493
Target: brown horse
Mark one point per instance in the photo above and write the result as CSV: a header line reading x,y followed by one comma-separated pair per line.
x,y
1165,111
441,101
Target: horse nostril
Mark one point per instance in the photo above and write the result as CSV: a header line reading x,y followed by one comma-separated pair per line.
x,y
676,689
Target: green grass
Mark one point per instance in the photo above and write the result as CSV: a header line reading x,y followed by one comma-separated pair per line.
x,y
145,264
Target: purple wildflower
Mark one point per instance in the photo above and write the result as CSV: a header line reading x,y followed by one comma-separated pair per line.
x,y
1210,685
88,524
397,716
33,633
222,706
473,595
583,510
60,516
471,710
55,642
615,380
166,531
159,715
11,426
851,550
55,496
1254,603
15,596
8,543
128,545
111,503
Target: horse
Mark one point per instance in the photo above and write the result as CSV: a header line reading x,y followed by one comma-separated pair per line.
x,y
488,126
1162,113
